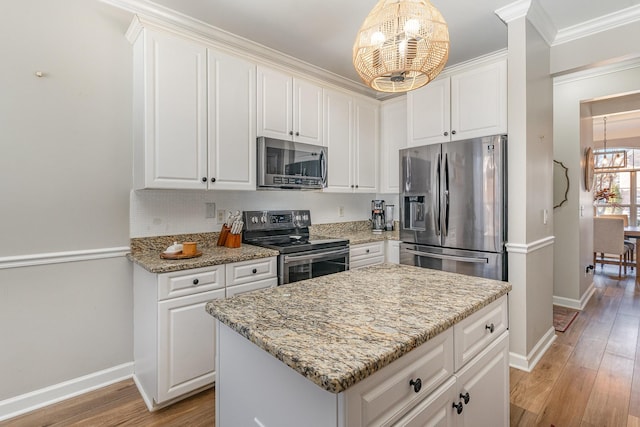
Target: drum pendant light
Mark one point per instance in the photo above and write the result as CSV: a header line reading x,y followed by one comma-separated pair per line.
x,y
402,45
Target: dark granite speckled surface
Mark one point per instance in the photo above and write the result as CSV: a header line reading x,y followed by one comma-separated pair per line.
x,y
338,329
146,252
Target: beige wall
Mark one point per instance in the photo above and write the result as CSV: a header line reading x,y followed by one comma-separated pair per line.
x,y
65,175
572,135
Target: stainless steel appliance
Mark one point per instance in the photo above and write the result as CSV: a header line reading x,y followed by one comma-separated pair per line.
x,y
290,165
453,206
388,217
300,257
377,216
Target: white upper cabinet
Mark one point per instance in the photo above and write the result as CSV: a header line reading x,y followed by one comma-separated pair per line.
x,y
339,140
464,105
194,115
366,145
393,139
289,108
232,128
170,112
351,129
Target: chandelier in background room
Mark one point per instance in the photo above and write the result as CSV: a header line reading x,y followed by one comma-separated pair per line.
x,y
618,157
402,45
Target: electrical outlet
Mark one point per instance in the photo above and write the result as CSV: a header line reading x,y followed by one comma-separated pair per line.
x,y
341,211
210,210
221,215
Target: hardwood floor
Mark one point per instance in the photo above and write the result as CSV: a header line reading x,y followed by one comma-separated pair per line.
x,y
120,404
589,377
591,374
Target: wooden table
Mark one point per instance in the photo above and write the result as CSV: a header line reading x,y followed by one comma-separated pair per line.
x,y
634,233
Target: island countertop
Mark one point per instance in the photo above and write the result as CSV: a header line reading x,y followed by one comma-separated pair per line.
x,y
338,329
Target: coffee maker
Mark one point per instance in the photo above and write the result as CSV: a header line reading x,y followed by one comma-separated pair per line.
x,y
377,216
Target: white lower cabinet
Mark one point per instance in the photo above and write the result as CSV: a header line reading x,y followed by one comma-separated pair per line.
x,y
174,337
392,252
422,388
366,254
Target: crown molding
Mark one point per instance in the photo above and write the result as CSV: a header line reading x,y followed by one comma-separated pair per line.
x,y
540,19
513,11
593,26
152,14
597,70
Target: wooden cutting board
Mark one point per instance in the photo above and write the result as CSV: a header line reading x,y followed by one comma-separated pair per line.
x,y
180,255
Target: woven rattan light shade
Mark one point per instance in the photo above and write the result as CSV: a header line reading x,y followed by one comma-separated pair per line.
x,y
402,45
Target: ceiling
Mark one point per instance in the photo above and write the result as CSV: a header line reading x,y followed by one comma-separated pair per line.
x,y
322,32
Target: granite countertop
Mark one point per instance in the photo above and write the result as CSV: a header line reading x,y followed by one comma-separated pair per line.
x,y
338,329
146,252
357,232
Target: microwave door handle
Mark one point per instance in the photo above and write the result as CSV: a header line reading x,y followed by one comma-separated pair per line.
x,y
323,168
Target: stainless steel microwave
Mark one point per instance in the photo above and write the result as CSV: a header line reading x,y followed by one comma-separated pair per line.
x,y
291,165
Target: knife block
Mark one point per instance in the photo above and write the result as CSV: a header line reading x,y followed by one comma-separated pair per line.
x,y
233,240
222,238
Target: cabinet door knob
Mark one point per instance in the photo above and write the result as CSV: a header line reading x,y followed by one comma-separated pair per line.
x,y
417,384
254,271
351,185
195,281
465,397
290,132
356,185
297,133
490,327
453,132
204,179
458,407
367,250
213,180
446,134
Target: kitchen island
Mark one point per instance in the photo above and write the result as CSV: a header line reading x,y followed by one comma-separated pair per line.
x,y
373,346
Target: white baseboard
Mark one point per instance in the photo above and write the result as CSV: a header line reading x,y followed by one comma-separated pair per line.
x,y
531,360
574,303
27,402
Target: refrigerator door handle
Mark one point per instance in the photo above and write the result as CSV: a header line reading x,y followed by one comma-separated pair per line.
x,y
449,257
436,197
445,228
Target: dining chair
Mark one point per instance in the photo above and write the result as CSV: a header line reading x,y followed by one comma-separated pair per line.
x,y
629,243
608,239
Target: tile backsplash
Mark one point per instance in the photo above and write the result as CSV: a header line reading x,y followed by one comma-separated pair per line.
x,y
166,212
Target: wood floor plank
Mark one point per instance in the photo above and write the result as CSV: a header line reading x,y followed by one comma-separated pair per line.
x,y
634,400
608,404
624,336
572,335
568,399
633,421
531,392
519,417
515,375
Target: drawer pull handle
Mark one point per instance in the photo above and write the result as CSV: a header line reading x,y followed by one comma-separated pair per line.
x,y
417,384
195,281
458,407
490,327
254,271
465,397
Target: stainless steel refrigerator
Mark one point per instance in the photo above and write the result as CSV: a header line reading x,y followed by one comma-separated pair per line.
x,y
453,206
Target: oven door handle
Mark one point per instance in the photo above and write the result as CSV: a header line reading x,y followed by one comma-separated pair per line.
x,y
316,256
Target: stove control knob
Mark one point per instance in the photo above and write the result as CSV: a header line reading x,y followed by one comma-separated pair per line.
x,y
263,219
297,217
254,219
305,217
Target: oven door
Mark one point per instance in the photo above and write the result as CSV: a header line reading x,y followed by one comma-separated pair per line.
x,y
306,265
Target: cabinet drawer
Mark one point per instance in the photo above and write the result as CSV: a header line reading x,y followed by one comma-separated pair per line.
x,y
366,250
251,286
388,394
251,271
477,331
188,282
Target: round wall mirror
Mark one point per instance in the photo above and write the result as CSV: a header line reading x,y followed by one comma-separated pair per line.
x,y
560,184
